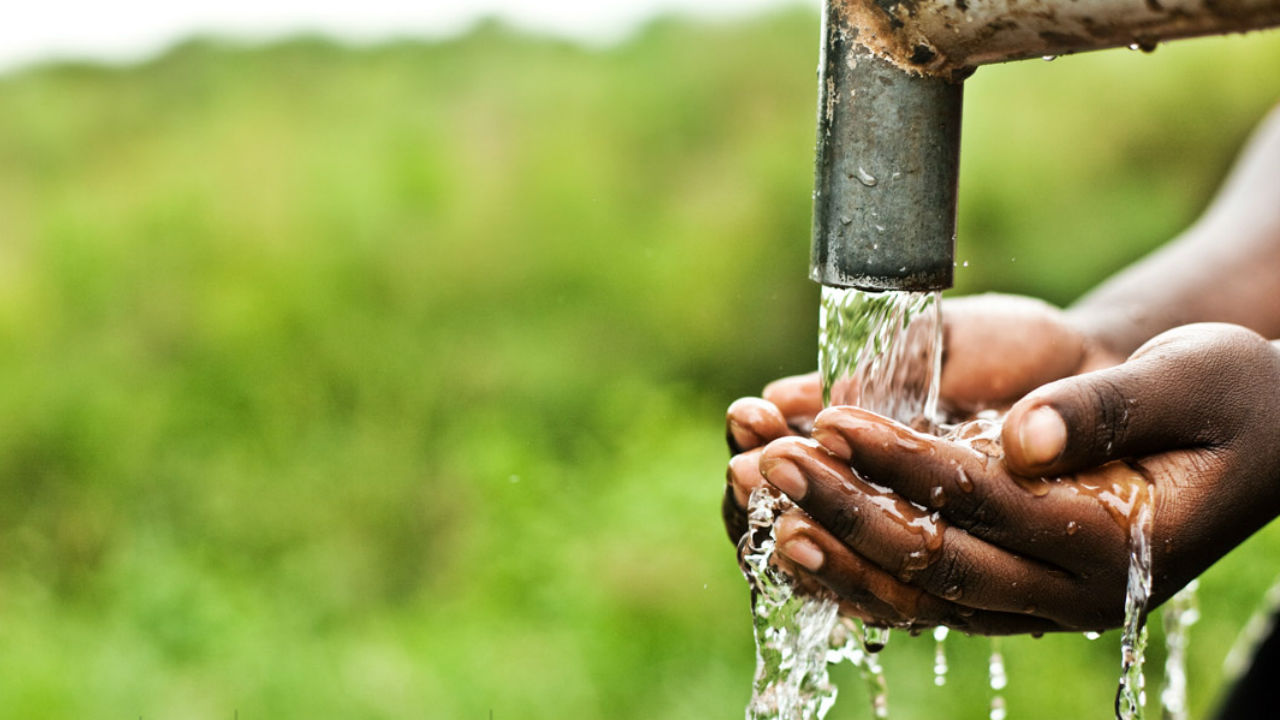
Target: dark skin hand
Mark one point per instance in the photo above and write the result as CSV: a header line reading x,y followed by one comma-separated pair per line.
x,y
995,553
1196,411
999,347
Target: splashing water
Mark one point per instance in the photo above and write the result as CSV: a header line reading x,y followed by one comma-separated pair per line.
x,y
1179,614
793,633
881,351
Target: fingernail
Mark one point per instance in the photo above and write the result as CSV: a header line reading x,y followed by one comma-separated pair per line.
x,y
784,475
741,438
834,442
742,476
804,552
1043,436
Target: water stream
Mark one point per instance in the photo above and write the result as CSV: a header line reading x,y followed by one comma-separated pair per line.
x,y
1131,696
1179,614
882,352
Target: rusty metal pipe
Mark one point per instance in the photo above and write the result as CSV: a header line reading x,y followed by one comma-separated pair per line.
x,y
889,90
945,37
888,153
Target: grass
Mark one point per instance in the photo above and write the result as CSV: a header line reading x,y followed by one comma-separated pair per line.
x,y
387,382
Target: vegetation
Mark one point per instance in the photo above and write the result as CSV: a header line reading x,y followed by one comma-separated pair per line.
x,y
386,382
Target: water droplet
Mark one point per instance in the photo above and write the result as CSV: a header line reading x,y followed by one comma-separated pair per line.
x,y
962,479
1049,58
998,711
938,496
964,264
940,656
1092,635
866,178
1072,527
952,592
875,638
998,681
845,220
995,669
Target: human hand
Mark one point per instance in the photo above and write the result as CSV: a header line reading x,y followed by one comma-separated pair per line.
x,y
1197,410
997,348
787,407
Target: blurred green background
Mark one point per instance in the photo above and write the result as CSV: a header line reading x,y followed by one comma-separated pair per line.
x,y
387,382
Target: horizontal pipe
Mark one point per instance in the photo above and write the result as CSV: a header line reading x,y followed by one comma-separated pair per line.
x,y
948,37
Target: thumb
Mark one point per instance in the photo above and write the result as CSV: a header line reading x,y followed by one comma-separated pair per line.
x,y
1177,391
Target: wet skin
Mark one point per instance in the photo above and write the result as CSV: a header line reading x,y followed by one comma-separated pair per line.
x,y
913,530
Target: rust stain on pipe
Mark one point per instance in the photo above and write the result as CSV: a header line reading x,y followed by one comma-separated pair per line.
x,y
950,37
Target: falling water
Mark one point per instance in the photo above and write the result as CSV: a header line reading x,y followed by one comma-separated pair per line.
x,y
998,680
881,351
940,655
1131,695
1179,614
793,633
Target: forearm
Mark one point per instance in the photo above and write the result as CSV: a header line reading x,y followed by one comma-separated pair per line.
x,y
1225,268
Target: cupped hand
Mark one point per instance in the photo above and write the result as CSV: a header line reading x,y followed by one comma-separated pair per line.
x,y
787,408
918,530
998,348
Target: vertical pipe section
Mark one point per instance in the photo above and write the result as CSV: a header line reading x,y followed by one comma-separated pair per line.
x,y
888,152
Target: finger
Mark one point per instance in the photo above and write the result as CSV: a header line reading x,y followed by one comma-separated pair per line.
x,y
1172,393
798,397
744,475
910,543
878,597
965,482
733,514
753,422
877,594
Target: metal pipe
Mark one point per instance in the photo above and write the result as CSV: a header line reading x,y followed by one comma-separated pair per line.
x,y
889,90
941,37
888,152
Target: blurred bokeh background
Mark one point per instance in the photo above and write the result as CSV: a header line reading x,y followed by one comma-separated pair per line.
x,y
387,381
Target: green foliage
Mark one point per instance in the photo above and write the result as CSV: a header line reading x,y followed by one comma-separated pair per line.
x,y
386,382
